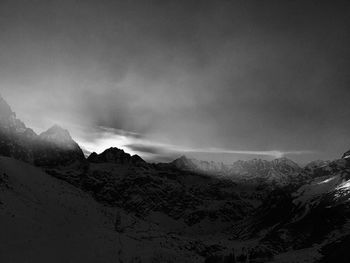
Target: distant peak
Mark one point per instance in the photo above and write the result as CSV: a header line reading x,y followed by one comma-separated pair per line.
x,y
114,150
184,159
115,155
57,134
185,163
56,128
92,156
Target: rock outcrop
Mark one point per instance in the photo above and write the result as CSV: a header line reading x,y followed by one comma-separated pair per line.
x,y
115,155
280,171
52,147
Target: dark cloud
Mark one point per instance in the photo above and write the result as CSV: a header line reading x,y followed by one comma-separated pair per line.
x,y
236,75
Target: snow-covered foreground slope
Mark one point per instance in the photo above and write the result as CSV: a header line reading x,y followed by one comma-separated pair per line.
x,y
43,219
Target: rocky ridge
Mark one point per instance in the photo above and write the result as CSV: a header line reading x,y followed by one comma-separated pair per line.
x,y
52,147
276,207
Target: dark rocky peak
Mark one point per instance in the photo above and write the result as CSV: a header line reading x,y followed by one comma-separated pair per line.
x,y
115,155
137,159
93,157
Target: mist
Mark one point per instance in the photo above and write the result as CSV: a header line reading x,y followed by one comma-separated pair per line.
x,y
232,79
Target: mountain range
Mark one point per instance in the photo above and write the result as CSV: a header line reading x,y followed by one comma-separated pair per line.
x,y
184,211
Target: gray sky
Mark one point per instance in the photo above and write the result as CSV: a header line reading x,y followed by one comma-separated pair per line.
x,y
225,78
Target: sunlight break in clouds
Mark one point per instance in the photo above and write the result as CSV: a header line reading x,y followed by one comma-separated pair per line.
x,y
273,153
135,143
105,138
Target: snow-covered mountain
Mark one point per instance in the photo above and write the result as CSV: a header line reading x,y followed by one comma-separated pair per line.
x,y
312,220
116,207
43,219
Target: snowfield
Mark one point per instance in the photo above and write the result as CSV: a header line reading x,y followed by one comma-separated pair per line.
x,y
43,219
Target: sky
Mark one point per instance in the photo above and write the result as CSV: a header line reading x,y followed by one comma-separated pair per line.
x,y
218,80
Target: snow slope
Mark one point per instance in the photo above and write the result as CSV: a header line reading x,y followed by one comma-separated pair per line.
x,y
43,219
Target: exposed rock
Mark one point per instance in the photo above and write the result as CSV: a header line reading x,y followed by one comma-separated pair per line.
x,y
53,147
278,172
56,147
115,155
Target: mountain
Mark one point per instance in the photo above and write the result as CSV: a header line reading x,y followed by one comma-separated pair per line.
x,y
114,206
116,179
15,138
313,218
56,147
278,172
168,214
43,219
52,147
115,155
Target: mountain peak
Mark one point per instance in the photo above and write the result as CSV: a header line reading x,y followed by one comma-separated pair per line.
x,y
185,163
114,150
52,147
182,159
56,134
56,129
115,155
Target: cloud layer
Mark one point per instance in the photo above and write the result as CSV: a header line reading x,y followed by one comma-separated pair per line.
x,y
246,76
